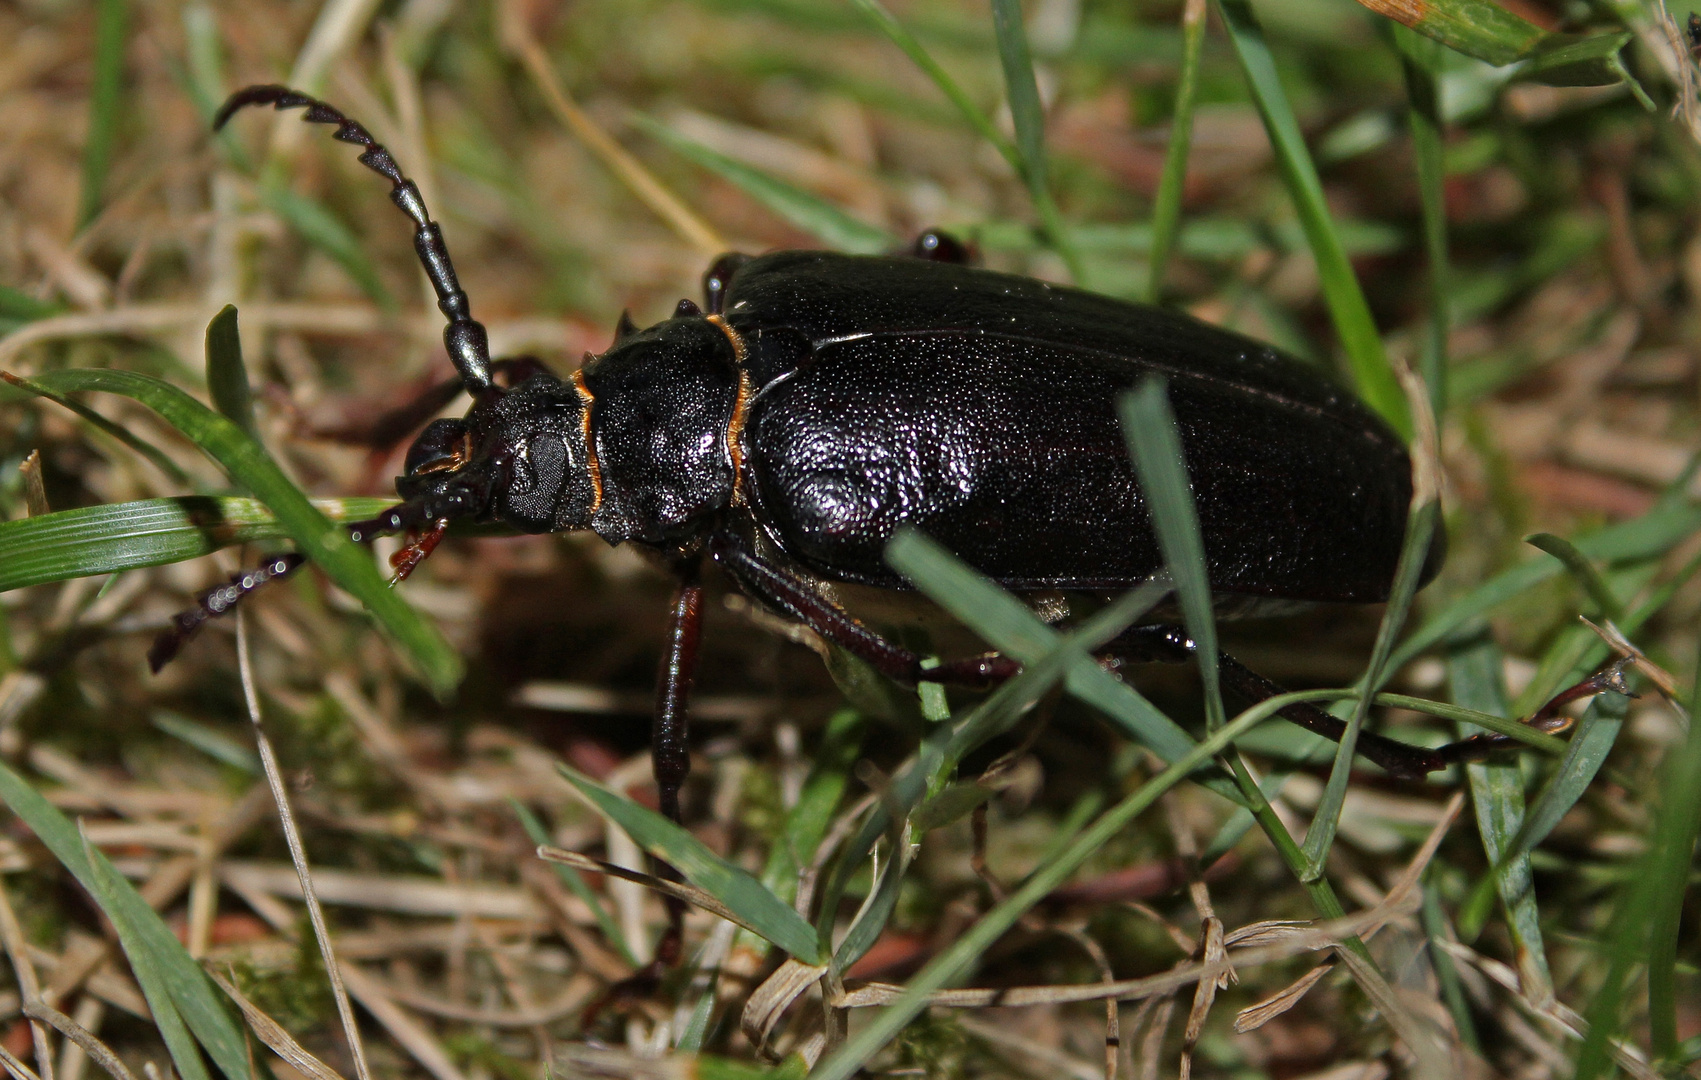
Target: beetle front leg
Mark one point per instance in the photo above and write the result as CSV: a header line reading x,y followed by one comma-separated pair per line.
x,y
669,746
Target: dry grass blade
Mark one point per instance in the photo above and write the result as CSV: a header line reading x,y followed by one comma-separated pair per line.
x,y
297,853
102,1053
770,1000
15,1068
517,37
1256,1016
691,895
270,1032
29,988
1554,1015
408,1032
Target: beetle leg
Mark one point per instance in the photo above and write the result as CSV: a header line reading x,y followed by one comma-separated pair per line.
x,y
786,591
670,750
670,754
1172,645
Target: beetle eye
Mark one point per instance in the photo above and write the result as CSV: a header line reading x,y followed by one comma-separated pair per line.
x,y
444,445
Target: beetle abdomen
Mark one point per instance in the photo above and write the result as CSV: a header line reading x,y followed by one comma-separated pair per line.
x,y
1009,451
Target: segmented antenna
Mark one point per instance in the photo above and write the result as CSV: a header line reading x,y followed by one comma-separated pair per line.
x,y
464,337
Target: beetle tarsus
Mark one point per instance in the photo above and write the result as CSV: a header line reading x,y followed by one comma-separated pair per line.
x,y
218,601
1548,718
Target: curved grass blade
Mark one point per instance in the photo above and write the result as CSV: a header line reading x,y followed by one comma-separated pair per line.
x,y
1581,569
154,950
1166,209
801,208
1626,942
1474,672
117,431
150,532
316,537
1372,374
227,377
1414,552
742,894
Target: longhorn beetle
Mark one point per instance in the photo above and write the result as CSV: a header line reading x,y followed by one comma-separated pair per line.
x,y
818,402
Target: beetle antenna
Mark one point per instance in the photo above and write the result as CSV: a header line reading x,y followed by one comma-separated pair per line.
x,y
464,337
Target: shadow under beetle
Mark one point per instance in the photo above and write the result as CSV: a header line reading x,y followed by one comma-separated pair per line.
x,y
818,402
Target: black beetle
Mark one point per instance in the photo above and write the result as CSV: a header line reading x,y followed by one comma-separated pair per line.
x,y
818,402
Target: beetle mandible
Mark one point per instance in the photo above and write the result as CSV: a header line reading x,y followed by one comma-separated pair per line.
x,y
818,402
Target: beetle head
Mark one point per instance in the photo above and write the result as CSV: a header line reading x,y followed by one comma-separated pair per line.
x,y
517,457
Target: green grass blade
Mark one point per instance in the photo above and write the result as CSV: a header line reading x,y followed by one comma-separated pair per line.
x,y
1148,426
215,744
154,950
1446,972
1584,756
1630,938
938,757
1027,115
1497,796
900,36
1476,28
150,532
104,884
1500,725
804,209
1580,568
117,431
314,223
1670,856
1009,626
1648,536
106,100
806,824
945,746
18,308
1421,59
1166,210
1596,60
322,542
227,377
742,894
955,961
1414,552
575,883
1351,314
